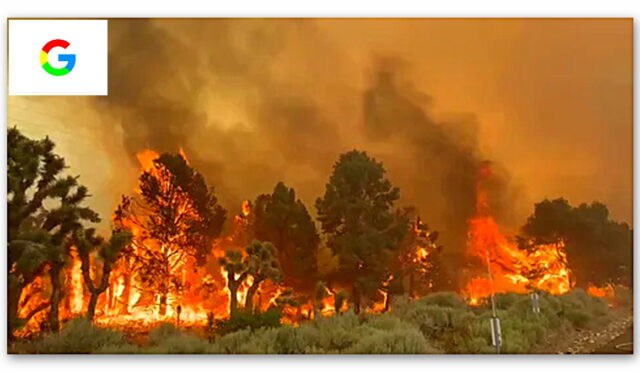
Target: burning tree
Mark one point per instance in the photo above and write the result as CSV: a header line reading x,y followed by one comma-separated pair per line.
x,y
258,263
508,266
86,242
176,216
599,250
419,256
284,221
44,208
355,213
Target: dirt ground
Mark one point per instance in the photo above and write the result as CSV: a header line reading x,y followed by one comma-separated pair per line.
x,y
612,339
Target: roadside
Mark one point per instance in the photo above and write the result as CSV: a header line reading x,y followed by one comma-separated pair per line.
x,y
622,344
603,341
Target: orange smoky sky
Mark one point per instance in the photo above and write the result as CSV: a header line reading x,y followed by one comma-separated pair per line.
x,y
253,101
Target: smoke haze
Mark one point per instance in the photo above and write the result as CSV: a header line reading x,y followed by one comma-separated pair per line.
x,y
252,102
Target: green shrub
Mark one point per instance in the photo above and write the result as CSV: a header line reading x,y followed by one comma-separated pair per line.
x,y
404,340
579,318
245,341
245,320
440,322
445,299
335,334
447,327
506,300
582,310
300,340
167,339
162,332
77,336
124,348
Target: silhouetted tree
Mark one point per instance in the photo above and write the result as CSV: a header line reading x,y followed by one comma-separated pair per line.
x,y
355,213
236,269
44,208
321,292
283,220
599,250
260,262
86,242
419,255
340,299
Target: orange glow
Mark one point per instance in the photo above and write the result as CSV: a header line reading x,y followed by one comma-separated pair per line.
x,y
203,291
543,267
76,289
600,292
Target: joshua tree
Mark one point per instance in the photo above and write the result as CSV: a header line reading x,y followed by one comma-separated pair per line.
x,y
260,262
86,242
236,270
44,208
340,298
320,294
262,265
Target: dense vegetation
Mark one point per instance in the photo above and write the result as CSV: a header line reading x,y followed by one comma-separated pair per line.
x,y
372,244
439,323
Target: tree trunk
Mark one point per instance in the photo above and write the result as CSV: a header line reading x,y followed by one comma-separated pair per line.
x,y
248,305
126,294
163,304
233,299
314,308
54,321
91,309
88,282
356,299
234,284
387,302
411,285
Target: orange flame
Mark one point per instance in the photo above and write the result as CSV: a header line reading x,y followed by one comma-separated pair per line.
x,y
509,268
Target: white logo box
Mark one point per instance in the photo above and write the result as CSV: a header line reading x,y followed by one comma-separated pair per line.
x,y
88,40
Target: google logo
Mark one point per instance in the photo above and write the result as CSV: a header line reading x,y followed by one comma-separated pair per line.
x,y
69,58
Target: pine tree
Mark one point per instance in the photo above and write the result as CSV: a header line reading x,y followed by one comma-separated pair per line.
x,y
356,214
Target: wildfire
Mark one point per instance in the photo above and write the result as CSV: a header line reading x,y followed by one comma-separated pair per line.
x,y
76,285
195,292
509,268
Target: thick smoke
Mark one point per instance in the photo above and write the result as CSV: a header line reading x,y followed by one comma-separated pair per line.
x,y
165,75
255,102
439,161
